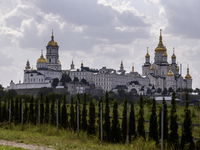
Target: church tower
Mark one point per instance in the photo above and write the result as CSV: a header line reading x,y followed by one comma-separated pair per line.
x,y
72,65
121,66
188,79
27,65
52,55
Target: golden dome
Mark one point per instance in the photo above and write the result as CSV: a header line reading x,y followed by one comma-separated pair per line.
x,y
165,54
151,68
59,62
121,64
41,59
170,73
160,48
188,76
52,42
173,56
147,55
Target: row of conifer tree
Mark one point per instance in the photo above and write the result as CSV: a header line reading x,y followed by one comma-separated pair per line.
x,y
44,111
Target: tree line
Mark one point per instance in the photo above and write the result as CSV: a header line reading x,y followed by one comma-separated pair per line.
x,y
48,108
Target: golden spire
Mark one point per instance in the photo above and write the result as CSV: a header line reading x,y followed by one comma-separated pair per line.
x,y
147,55
151,68
59,63
72,61
81,63
188,76
41,59
160,48
173,56
133,67
52,37
52,42
170,73
177,68
121,64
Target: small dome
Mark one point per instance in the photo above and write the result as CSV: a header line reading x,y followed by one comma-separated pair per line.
x,y
170,73
177,68
52,42
41,59
151,68
173,56
188,76
165,54
59,62
147,55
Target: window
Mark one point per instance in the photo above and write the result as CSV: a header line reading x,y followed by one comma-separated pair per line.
x,y
49,59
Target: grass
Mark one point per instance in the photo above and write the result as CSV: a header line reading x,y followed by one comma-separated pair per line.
x,y
10,148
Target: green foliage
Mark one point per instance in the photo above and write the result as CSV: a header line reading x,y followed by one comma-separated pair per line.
x,y
0,107
65,79
140,127
77,102
115,129
132,132
173,136
55,82
84,113
153,127
72,122
31,114
64,116
46,116
165,121
41,108
99,116
26,111
53,115
91,122
106,126
187,138
36,110
124,121
5,115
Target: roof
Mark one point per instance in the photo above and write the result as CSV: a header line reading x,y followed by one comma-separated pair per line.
x,y
167,98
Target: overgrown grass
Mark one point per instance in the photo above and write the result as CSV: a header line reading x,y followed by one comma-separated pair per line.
x,y
10,148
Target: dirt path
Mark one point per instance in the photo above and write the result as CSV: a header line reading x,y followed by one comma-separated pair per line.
x,y
26,146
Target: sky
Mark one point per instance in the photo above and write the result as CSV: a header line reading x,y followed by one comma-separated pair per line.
x,y
98,33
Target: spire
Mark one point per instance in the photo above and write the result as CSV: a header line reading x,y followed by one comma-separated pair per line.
x,y
72,62
52,37
170,73
121,64
173,56
188,76
160,38
177,68
72,65
147,55
27,65
151,68
133,67
81,63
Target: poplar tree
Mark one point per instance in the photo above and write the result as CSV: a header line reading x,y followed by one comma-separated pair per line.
x,y
106,127
46,116
187,138
140,127
165,121
31,114
132,132
84,113
77,100
124,121
64,117
91,122
41,108
12,108
99,116
115,129
72,125
5,109
53,115
173,135
36,110
153,127
25,115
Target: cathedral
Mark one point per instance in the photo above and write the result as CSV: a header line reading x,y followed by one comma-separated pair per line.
x,y
46,70
163,74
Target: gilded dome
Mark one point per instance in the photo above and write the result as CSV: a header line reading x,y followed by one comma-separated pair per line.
x,y
59,62
52,42
151,68
160,48
177,68
147,55
173,56
170,73
188,76
41,59
165,54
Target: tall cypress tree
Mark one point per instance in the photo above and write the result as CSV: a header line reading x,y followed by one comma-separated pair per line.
x,y
115,129
64,116
173,135
53,115
12,108
31,114
72,125
165,121
0,110
5,109
187,138
91,124
46,116
25,110
84,113
124,121
41,108
153,127
140,127
106,127
36,110
132,132
99,116
17,110
77,100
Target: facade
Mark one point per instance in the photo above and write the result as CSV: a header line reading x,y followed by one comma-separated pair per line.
x,y
163,74
47,69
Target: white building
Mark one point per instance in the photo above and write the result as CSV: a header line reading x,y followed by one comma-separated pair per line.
x,y
47,69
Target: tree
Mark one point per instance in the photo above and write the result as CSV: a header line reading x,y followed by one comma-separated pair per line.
x,y
107,118
72,123
64,118
115,129
91,122
140,127
132,132
84,113
164,91
0,107
84,81
173,136
124,120
65,79
55,82
165,121
77,100
46,116
187,138
31,114
53,116
159,90
4,114
153,127
26,113
76,79
99,116
41,108
170,90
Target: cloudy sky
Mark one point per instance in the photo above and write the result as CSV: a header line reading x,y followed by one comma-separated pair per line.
x,y
98,32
